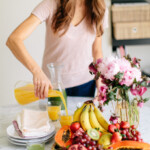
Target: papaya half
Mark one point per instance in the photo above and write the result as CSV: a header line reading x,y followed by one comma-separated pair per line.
x,y
130,145
63,136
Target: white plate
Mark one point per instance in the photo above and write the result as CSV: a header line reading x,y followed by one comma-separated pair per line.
x,y
13,134
24,144
31,140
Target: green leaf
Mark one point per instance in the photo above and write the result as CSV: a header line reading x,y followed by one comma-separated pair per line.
x,y
119,75
144,83
146,99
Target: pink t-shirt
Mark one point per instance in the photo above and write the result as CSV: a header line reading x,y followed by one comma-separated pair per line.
x,y
73,49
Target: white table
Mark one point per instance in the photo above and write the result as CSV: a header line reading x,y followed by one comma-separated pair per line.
x,y
8,113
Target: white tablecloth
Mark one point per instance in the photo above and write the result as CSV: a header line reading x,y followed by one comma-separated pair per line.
x,y
8,113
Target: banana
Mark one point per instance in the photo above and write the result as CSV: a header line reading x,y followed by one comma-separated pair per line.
x,y
77,113
100,118
84,118
94,122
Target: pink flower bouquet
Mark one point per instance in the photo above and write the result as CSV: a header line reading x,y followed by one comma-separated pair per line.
x,y
120,74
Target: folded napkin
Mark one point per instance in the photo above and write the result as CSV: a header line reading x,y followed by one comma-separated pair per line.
x,y
33,123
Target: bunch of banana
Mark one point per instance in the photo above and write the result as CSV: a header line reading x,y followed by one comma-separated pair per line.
x,y
90,118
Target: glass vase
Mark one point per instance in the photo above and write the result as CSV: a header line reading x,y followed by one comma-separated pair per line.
x,y
127,111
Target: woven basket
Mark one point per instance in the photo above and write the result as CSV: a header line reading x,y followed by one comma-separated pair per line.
x,y
132,30
130,13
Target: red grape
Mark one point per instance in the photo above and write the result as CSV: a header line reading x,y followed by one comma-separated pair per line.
x,y
92,143
83,141
94,148
88,138
133,132
134,138
128,134
129,138
133,127
85,135
123,132
138,133
90,148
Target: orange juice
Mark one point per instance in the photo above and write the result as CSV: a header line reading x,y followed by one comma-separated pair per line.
x,y
54,112
66,120
25,95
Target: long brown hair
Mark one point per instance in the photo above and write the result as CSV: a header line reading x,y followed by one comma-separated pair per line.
x,y
66,9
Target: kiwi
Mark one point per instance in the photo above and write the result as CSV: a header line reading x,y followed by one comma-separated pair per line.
x,y
93,134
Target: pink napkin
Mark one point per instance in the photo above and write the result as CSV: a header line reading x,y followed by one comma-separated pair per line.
x,y
33,123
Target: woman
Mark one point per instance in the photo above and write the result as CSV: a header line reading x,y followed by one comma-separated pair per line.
x,y
73,38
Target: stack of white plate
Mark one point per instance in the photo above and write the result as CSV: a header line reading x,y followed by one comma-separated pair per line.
x,y
14,138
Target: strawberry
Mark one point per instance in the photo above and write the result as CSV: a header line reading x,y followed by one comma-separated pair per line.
x,y
116,137
112,128
125,125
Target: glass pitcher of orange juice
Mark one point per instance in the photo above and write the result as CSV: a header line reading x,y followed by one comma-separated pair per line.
x,y
24,93
55,70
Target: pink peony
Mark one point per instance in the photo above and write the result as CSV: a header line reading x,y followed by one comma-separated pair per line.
x,y
138,91
109,68
134,91
140,104
124,64
92,68
102,95
137,74
100,60
127,78
142,91
113,119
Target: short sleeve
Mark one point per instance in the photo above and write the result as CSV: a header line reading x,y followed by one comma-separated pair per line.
x,y
43,10
105,20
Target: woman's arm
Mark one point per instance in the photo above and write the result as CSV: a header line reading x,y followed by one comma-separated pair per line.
x,y
16,45
97,53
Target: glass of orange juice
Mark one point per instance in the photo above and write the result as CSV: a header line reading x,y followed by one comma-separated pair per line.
x,y
66,119
54,110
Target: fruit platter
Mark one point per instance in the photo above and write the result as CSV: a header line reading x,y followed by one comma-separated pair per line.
x,y
122,85
90,131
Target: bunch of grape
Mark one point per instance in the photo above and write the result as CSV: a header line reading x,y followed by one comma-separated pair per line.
x,y
131,134
87,142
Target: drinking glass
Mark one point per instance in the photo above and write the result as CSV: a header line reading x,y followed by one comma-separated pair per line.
x,y
54,110
35,146
66,119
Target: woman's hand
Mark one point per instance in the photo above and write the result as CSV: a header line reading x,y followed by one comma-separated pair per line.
x,y
41,84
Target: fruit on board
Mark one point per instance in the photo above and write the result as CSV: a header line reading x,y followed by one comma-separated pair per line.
x,y
112,128
130,145
75,126
116,137
100,118
77,147
84,118
94,122
93,134
125,125
105,139
63,136
77,113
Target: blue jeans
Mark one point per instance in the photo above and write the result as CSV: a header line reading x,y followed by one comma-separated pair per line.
x,y
84,90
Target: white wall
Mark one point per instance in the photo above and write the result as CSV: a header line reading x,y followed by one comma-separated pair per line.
x,y
12,13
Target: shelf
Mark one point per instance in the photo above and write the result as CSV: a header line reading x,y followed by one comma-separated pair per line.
x,y
117,43
128,1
